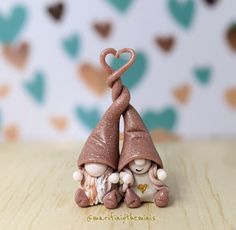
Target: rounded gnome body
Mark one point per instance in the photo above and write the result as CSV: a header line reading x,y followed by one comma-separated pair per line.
x,y
140,166
98,184
98,161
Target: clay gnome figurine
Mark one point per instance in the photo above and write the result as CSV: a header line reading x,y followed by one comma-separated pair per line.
x,y
99,158
140,166
141,170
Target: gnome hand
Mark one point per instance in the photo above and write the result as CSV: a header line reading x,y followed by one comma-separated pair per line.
x,y
126,178
77,176
161,174
114,178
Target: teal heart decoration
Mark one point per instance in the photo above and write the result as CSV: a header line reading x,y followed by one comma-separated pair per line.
x,y
182,11
89,117
135,73
10,27
203,75
71,45
36,87
121,5
165,119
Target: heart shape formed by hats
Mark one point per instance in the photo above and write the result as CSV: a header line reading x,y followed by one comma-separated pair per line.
x,y
142,187
116,54
137,69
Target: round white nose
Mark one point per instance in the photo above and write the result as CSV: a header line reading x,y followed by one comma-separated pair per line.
x,y
140,162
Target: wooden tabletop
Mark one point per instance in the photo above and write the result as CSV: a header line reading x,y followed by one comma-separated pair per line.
x,y
37,190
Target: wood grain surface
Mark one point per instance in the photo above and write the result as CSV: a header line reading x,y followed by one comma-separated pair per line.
x,y
37,190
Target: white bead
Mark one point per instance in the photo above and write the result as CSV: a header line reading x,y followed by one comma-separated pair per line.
x,y
127,179
77,176
114,178
161,174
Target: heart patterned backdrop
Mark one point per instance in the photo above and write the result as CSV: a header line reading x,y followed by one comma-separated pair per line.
x,y
52,86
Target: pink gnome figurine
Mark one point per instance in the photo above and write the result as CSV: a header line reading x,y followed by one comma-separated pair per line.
x,y
141,174
140,166
98,161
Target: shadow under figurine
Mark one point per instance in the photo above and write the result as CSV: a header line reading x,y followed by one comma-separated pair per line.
x,y
98,161
140,166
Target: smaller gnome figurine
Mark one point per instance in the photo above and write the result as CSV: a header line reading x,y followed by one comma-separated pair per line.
x,y
98,161
140,166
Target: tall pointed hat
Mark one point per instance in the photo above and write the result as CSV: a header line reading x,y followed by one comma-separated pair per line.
x,y
138,143
102,146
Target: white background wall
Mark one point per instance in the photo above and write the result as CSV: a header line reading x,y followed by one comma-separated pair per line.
x,y
206,112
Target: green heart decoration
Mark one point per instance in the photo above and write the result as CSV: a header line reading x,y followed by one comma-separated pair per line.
x,y
71,45
182,11
11,26
36,87
203,75
120,5
89,117
165,119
